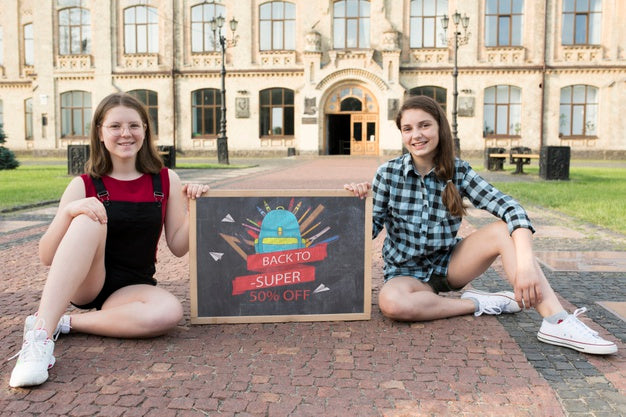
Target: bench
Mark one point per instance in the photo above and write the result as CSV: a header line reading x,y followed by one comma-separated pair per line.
x,y
519,156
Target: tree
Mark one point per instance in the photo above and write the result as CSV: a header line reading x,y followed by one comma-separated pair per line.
x,y
7,157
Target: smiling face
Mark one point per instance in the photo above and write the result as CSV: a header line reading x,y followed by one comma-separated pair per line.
x,y
122,132
420,136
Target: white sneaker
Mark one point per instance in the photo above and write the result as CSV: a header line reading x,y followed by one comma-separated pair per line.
x,y
574,334
493,302
34,360
63,326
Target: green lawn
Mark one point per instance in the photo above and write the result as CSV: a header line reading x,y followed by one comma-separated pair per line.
x,y
30,184
594,195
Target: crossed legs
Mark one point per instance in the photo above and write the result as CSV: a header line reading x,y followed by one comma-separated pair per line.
x,y
408,299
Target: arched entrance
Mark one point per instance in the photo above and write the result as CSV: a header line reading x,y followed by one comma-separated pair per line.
x,y
351,121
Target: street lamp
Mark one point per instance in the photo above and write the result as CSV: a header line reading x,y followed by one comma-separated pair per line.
x,y
216,26
458,41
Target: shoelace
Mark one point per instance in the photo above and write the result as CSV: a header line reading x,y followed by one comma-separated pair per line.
x,y
30,348
490,309
579,324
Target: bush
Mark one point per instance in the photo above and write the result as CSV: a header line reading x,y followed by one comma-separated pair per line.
x,y
7,157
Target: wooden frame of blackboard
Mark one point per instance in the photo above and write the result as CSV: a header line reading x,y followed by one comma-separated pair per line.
x,y
336,197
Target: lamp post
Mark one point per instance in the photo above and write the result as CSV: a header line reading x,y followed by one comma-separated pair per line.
x,y
459,39
216,27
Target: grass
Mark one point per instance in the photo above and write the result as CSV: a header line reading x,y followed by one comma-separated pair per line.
x,y
594,195
32,184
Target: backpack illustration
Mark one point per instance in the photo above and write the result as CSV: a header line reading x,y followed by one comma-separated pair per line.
x,y
279,231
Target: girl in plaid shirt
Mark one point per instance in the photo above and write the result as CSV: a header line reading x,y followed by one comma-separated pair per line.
x,y
418,198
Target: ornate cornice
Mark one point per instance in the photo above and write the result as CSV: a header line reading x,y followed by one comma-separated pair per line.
x,y
352,73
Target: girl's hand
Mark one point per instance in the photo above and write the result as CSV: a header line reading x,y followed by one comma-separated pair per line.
x,y
90,207
527,290
360,190
193,191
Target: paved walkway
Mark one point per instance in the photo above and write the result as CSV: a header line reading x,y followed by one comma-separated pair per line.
x,y
468,366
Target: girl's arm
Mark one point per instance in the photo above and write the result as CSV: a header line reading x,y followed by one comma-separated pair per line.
x,y
527,276
73,203
177,214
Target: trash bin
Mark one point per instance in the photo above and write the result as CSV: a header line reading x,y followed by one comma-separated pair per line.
x,y
168,154
291,151
554,162
77,156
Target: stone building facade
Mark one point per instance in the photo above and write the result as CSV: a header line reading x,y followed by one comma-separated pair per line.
x,y
318,77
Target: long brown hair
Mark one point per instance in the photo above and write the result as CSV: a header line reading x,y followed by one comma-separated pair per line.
x,y
99,163
445,155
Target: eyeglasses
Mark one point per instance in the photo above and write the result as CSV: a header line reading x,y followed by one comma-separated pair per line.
x,y
116,129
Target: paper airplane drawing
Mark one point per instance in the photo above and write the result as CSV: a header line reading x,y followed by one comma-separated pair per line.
x,y
216,255
321,288
228,219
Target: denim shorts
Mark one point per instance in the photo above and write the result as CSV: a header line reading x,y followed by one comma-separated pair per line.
x,y
439,283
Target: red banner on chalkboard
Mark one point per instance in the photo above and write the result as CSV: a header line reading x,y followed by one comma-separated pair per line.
x,y
271,260
275,278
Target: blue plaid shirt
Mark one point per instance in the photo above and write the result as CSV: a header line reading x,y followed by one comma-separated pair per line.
x,y
421,233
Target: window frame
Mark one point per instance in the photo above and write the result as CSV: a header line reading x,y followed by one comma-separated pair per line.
x,y
434,91
267,109
28,119
84,29
361,24
151,45
85,111
512,108
209,43
275,22
439,36
593,22
29,45
215,107
584,106
145,96
511,14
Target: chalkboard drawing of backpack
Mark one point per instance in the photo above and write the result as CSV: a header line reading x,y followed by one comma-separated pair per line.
x,y
279,231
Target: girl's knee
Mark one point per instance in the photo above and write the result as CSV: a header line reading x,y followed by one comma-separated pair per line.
x,y
391,307
168,315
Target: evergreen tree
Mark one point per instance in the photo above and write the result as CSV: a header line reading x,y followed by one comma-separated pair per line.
x,y
7,157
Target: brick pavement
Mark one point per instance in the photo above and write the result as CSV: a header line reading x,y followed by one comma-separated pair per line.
x,y
467,366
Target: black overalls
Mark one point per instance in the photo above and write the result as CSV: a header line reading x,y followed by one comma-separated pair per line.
x,y
133,231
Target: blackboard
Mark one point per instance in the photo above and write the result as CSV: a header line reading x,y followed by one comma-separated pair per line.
x,y
250,263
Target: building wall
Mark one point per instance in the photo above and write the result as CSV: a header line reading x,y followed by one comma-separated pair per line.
x,y
388,69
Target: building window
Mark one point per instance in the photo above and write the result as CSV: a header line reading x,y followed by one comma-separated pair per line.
x,y
75,114
351,24
28,117
29,45
436,93
503,22
578,111
202,39
581,22
150,100
206,112
503,105
277,26
74,31
426,29
277,112
141,30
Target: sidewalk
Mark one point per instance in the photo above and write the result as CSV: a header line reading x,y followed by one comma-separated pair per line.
x,y
465,366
